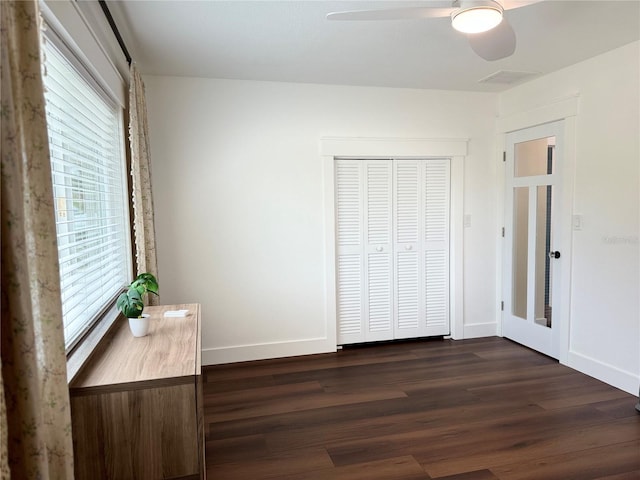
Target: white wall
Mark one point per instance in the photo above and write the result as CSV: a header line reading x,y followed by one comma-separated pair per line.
x,y
238,187
605,285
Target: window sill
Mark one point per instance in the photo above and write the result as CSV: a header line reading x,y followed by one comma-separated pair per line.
x,y
90,343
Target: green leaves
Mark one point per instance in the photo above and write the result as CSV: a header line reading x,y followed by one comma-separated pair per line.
x,y
145,283
130,303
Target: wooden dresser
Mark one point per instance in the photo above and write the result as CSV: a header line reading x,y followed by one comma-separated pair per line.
x,y
136,407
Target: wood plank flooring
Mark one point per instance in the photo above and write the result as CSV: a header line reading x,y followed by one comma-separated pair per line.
x,y
481,409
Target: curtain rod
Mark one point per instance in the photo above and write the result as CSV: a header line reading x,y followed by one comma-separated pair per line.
x,y
115,30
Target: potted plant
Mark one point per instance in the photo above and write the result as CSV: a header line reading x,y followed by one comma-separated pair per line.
x,y
131,303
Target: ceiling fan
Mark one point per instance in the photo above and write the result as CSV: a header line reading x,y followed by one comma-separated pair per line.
x,y
490,34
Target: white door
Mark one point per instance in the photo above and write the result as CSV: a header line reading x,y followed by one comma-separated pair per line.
x,y
532,261
392,244
421,247
364,251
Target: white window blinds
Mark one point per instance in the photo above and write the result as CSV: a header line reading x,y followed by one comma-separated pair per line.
x,y
90,190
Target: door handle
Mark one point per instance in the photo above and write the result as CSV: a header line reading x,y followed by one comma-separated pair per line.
x,y
554,254
379,248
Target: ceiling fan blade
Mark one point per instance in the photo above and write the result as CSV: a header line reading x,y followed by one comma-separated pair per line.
x,y
495,44
511,4
411,13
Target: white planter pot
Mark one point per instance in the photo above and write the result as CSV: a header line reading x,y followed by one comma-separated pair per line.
x,y
139,326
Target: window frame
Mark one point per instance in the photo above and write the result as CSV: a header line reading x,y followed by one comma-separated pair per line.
x,y
80,349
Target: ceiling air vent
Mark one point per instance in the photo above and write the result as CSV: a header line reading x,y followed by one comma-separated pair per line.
x,y
505,77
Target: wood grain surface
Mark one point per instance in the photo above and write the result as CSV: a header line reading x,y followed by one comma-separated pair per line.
x,y
137,408
167,354
149,433
481,409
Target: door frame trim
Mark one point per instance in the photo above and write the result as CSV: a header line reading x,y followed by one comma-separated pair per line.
x,y
395,148
565,110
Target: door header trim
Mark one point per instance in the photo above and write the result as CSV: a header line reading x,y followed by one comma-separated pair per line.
x,y
372,147
559,110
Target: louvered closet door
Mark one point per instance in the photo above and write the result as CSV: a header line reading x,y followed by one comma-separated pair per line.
x,y
421,248
392,249
409,251
364,250
437,183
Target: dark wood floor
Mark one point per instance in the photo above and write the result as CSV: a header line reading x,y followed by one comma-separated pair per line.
x,y
470,410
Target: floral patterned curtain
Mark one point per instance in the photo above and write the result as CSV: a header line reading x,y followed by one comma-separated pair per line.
x,y
143,224
36,428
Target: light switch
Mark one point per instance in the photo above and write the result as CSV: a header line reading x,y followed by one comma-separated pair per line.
x,y
467,220
577,222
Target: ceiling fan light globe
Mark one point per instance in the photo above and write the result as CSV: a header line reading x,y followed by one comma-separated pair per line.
x,y
476,19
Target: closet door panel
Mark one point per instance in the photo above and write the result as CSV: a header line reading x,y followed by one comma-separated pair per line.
x,y
349,252
378,227
436,246
407,227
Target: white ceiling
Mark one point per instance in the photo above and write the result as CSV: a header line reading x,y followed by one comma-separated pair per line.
x,y
291,41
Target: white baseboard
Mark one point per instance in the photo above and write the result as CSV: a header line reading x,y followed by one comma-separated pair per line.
x,y
478,330
244,353
622,379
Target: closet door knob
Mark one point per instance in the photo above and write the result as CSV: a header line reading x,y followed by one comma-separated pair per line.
x,y
379,248
408,247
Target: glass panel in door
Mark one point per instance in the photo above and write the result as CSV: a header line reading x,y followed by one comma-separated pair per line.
x,y
520,251
542,259
532,158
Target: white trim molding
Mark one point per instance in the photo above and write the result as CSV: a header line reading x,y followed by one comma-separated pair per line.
x,y
604,372
556,110
479,330
263,351
375,147
395,148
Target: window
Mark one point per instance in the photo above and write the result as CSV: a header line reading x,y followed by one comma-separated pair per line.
x,y
90,190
